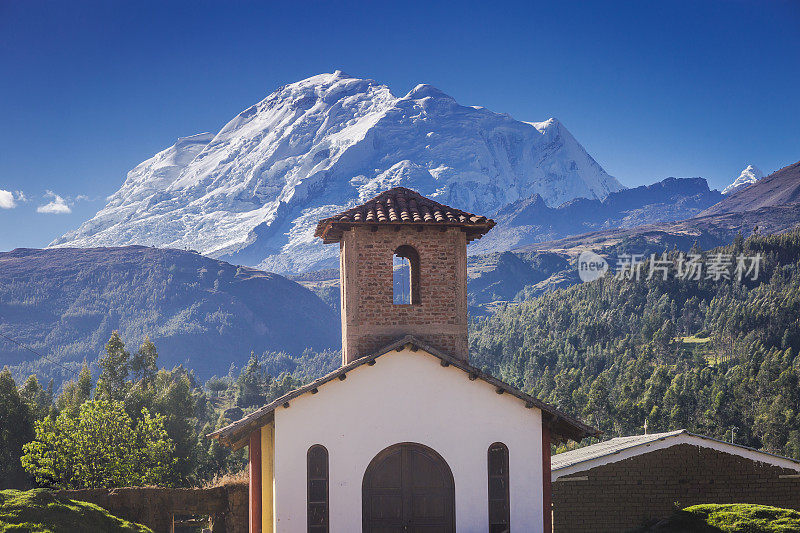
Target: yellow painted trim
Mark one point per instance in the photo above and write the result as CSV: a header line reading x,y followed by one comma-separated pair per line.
x,y
268,478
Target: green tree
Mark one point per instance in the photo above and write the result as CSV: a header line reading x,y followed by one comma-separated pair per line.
x,y
75,393
100,447
38,399
16,428
115,366
217,386
250,385
144,362
174,396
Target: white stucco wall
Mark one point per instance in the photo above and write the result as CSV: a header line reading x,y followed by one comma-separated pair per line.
x,y
408,397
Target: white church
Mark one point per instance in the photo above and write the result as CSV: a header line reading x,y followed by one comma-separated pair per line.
x,y
406,436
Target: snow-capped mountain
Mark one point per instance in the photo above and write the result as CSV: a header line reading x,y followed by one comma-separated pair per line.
x,y
253,192
749,176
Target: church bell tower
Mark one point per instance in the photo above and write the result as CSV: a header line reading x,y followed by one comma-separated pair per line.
x,y
403,271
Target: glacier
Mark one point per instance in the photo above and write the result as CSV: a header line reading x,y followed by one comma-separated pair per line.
x,y
252,193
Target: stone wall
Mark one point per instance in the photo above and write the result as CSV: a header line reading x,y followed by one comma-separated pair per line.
x,y
155,507
370,320
625,494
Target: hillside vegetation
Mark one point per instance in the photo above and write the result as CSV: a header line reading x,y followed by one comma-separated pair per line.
x,y
714,357
40,511
202,313
728,518
138,424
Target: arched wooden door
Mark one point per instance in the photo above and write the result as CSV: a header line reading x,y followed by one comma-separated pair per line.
x,y
408,488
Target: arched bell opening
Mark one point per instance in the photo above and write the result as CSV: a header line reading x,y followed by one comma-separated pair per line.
x,y
405,276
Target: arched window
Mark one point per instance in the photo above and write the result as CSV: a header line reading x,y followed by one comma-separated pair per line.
x,y
317,463
499,508
405,282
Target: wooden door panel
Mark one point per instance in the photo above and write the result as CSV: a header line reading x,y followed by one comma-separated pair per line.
x,y
387,507
430,506
408,488
389,475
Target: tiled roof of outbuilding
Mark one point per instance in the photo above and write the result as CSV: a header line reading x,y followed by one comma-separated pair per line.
x,y
608,450
402,206
608,447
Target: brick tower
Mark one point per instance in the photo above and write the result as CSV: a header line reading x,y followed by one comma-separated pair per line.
x,y
431,240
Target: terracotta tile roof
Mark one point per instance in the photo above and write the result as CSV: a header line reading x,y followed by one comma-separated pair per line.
x,y
562,425
402,206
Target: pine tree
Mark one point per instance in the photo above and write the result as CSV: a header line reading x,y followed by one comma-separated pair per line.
x,y
38,399
144,363
115,366
16,428
250,389
85,381
76,393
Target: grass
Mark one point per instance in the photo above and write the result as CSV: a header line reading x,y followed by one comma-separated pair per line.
x,y
40,511
728,518
700,345
239,478
747,518
694,339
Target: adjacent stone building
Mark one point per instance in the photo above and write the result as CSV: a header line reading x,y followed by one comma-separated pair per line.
x,y
406,436
623,482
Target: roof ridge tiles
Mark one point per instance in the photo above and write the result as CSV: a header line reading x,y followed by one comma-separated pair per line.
x,y
401,205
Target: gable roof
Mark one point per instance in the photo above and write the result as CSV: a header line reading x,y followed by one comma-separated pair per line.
x,y
606,448
399,206
562,426
621,448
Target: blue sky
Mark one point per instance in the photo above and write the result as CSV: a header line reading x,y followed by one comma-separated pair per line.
x,y
651,89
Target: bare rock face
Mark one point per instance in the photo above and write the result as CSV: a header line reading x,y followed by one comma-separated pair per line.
x,y
252,192
532,221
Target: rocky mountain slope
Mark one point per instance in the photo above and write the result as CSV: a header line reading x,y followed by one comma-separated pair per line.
x,y
64,303
531,220
770,206
252,192
781,188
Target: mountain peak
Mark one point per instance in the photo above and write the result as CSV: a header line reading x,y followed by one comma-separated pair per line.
x,y
748,176
253,192
546,124
780,189
323,78
423,90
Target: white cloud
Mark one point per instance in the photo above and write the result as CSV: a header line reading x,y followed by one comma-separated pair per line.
x,y
7,200
20,196
58,206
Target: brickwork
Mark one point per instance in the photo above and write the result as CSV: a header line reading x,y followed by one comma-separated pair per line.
x,y
155,507
371,320
625,494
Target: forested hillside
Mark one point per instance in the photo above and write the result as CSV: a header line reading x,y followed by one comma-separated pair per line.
x,y
714,357
147,423
202,313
